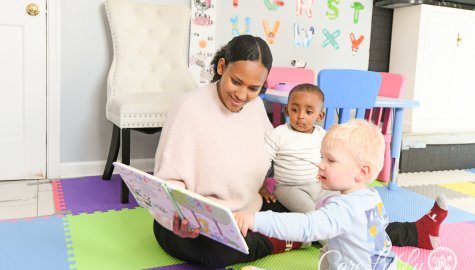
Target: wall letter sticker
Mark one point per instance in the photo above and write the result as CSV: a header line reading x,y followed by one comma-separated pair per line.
x,y
270,35
355,43
235,26
307,6
333,9
339,27
274,5
330,38
358,7
303,37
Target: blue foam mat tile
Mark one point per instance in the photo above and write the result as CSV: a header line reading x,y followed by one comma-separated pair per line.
x,y
403,205
472,170
38,243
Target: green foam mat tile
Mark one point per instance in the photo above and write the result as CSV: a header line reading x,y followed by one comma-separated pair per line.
x,y
377,183
124,240
116,240
294,259
297,259
400,265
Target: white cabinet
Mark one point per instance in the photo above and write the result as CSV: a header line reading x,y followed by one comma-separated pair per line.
x,y
434,48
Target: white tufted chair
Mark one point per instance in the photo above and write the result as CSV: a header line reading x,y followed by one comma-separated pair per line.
x,y
148,72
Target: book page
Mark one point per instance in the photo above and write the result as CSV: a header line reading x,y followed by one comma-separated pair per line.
x,y
150,193
214,220
162,200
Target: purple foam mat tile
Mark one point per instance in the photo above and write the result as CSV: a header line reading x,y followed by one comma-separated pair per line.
x,y
472,222
186,266
91,194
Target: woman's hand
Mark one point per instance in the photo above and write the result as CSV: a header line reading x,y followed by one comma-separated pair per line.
x,y
266,195
245,221
180,228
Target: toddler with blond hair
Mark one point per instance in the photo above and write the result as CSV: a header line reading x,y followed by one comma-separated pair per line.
x,y
354,221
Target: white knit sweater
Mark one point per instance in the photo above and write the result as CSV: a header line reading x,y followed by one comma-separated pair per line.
x,y
214,152
295,154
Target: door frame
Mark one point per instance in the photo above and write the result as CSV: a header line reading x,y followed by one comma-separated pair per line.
x,y
53,87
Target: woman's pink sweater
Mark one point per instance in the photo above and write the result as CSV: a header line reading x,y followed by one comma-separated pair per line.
x,y
214,152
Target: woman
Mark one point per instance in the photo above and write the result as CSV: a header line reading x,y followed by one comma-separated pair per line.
x,y
213,144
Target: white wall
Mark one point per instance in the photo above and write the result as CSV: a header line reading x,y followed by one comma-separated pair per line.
x,y
86,54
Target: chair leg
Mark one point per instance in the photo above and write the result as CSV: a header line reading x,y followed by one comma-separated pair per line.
x,y
368,114
113,153
124,191
385,173
277,112
378,113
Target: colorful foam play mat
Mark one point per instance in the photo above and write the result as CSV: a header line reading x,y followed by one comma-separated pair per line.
x,y
91,229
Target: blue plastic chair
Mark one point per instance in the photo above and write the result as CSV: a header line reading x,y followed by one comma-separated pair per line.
x,y
346,90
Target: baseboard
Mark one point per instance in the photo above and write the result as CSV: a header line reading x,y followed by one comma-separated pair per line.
x,y
421,140
91,168
438,157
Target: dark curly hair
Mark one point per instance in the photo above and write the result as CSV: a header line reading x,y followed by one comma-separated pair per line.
x,y
308,87
242,48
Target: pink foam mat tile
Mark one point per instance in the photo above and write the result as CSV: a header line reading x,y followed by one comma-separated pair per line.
x,y
455,251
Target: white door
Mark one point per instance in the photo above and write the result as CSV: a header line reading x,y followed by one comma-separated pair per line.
x,y
446,78
22,90
437,54
462,69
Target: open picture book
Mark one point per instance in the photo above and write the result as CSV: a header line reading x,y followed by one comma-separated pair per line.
x,y
162,200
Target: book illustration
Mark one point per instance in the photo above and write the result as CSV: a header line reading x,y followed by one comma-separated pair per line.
x,y
147,193
213,221
201,207
163,200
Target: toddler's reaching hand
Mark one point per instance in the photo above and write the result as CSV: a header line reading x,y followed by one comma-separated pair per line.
x,y
245,221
